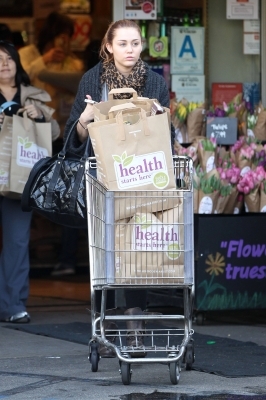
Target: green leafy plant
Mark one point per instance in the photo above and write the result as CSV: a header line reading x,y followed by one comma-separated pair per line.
x,y
210,185
226,190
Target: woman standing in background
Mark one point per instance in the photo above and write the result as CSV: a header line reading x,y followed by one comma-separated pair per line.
x,y
16,93
53,55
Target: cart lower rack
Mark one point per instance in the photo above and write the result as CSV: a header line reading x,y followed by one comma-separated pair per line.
x,y
143,239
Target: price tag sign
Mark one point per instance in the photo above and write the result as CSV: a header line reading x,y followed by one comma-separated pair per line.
x,y
224,130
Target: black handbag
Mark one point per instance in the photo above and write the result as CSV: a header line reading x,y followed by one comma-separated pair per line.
x,y
56,187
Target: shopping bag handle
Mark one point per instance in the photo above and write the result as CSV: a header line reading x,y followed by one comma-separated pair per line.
x,y
72,131
122,91
25,117
121,124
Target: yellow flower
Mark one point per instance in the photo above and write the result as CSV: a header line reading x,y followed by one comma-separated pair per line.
x,y
193,105
181,112
217,264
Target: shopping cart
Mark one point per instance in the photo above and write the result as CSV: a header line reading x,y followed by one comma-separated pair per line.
x,y
143,239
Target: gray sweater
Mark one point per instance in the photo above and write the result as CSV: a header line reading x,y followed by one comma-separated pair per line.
x,y
155,88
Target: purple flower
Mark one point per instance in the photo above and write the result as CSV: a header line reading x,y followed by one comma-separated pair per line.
x,y
219,112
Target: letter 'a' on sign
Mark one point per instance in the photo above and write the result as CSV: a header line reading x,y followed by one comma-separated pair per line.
x,y
187,48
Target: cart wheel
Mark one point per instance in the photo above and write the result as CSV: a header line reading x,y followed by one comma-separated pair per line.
x,y
125,373
174,369
94,357
189,356
199,319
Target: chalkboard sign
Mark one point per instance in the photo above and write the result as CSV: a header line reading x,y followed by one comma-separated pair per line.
x,y
223,129
231,267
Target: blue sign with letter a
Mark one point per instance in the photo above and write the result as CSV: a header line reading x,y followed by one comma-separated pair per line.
x,y
187,50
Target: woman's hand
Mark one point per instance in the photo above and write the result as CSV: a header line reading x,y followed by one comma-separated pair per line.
x,y
88,114
56,55
33,112
86,117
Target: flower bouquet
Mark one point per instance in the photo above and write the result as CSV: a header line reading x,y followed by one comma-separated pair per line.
x,y
234,109
209,190
196,186
251,123
223,198
243,152
178,118
206,153
263,196
229,175
190,151
260,127
249,185
239,204
195,120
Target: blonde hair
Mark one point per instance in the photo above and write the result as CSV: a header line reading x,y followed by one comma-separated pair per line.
x,y
110,34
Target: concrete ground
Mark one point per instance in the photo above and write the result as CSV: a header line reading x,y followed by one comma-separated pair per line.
x,y
38,367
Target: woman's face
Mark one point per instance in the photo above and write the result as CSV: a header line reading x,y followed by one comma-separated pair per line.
x,y
126,48
63,42
8,67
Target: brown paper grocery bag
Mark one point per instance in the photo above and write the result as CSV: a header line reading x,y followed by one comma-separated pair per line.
x,y
173,221
142,246
115,109
31,141
5,154
133,152
102,110
128,203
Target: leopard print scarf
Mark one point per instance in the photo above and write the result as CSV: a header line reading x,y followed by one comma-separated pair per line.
x,y
115,80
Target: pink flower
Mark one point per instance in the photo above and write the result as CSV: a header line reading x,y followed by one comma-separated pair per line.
x,y
251,180
225,106
238,144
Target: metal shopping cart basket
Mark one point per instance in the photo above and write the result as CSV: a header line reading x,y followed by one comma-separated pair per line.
x,y
143,239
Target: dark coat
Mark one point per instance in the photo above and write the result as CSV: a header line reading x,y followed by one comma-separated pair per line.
x,y
155,88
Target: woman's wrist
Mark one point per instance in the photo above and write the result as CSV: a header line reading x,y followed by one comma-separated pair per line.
x,y
82,131
84,127
84,121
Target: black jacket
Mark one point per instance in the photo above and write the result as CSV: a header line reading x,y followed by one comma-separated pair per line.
x,y
155,88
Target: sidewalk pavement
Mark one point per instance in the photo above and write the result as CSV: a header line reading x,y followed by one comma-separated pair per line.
x,y
38,367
